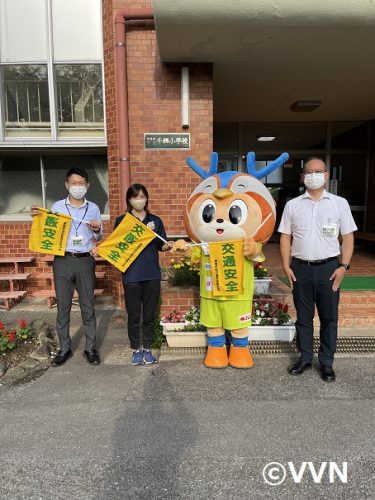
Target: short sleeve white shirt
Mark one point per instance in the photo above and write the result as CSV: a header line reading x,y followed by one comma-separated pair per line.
x,y
316,225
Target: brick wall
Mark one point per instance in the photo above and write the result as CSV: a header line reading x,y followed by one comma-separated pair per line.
x,y
177,298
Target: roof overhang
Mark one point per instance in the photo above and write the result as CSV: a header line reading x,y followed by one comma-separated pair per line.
x,y
267,55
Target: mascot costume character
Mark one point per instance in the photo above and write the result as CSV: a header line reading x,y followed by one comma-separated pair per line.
x,y
228,208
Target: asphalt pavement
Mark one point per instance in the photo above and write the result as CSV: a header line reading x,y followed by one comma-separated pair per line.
x,y
179,430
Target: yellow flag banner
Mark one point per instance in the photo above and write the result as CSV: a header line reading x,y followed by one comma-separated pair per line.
x,y
49,232
126,242
226,259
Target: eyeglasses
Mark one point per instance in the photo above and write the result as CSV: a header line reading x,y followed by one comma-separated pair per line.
x,y
315,172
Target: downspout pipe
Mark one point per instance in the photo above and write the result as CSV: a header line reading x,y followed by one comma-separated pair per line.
x,y
121,18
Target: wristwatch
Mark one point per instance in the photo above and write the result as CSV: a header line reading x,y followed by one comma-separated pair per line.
x,y
347,266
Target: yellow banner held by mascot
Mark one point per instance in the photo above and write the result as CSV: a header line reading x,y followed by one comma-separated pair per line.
x,y
126,242
226,259
49,232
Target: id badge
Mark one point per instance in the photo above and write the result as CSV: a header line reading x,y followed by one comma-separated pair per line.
x,y
77,241
330,230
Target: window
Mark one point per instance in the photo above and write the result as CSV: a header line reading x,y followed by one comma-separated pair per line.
x,y
26,101
40,179
76,28
23,31
20,184
51,84
79,100
275,177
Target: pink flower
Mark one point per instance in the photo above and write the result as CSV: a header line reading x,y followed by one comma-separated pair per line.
x,y
173,317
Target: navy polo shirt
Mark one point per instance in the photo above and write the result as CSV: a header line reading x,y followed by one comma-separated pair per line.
x,y
146,265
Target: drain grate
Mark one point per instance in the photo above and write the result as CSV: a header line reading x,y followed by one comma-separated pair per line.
x,y
348,345
355,345
273,347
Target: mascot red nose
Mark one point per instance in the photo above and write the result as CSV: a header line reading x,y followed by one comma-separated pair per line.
x,y
230,216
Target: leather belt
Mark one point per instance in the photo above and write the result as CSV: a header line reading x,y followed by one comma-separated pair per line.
x,y
78,254
314,262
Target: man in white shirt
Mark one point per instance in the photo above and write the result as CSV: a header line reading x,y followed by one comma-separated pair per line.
x,y
315,264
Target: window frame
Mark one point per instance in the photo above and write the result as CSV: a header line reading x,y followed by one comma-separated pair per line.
x,y
53,139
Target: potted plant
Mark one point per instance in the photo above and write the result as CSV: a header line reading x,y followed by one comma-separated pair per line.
x,y
271,321
188,334
262,279
172,321
184,273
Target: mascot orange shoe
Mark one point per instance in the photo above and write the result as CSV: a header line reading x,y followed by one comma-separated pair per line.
x,y
229,216
240,357
216,357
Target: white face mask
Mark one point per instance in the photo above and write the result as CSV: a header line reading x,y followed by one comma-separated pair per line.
x,y
314,181
138,204
78,192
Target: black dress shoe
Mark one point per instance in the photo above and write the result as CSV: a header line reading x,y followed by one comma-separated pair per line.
x,y
328,373
61,357
299,367
92,357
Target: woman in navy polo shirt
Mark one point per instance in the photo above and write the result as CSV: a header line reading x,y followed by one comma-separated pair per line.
x,y
142,278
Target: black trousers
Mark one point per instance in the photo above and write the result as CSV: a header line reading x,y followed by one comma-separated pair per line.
x,y
70,273
141,300
314,288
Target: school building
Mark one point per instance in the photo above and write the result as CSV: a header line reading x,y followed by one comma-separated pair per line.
x,y
129,89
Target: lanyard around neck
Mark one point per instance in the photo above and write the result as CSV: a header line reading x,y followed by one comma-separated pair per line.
x,y
83,218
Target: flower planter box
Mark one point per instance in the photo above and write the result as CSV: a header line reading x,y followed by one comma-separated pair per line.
x,y
186,339
261,285
284,333
171,326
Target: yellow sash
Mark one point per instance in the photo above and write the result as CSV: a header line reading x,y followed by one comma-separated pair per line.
x,y
226,259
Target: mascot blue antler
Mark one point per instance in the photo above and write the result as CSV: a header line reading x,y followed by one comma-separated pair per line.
x,y
235,208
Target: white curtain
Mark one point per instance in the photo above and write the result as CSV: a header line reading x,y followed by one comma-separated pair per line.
x,y
101,172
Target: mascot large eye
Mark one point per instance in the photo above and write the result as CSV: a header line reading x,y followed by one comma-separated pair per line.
x,y
207,211
237,211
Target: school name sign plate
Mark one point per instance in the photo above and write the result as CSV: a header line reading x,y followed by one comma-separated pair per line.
x,y
167,141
